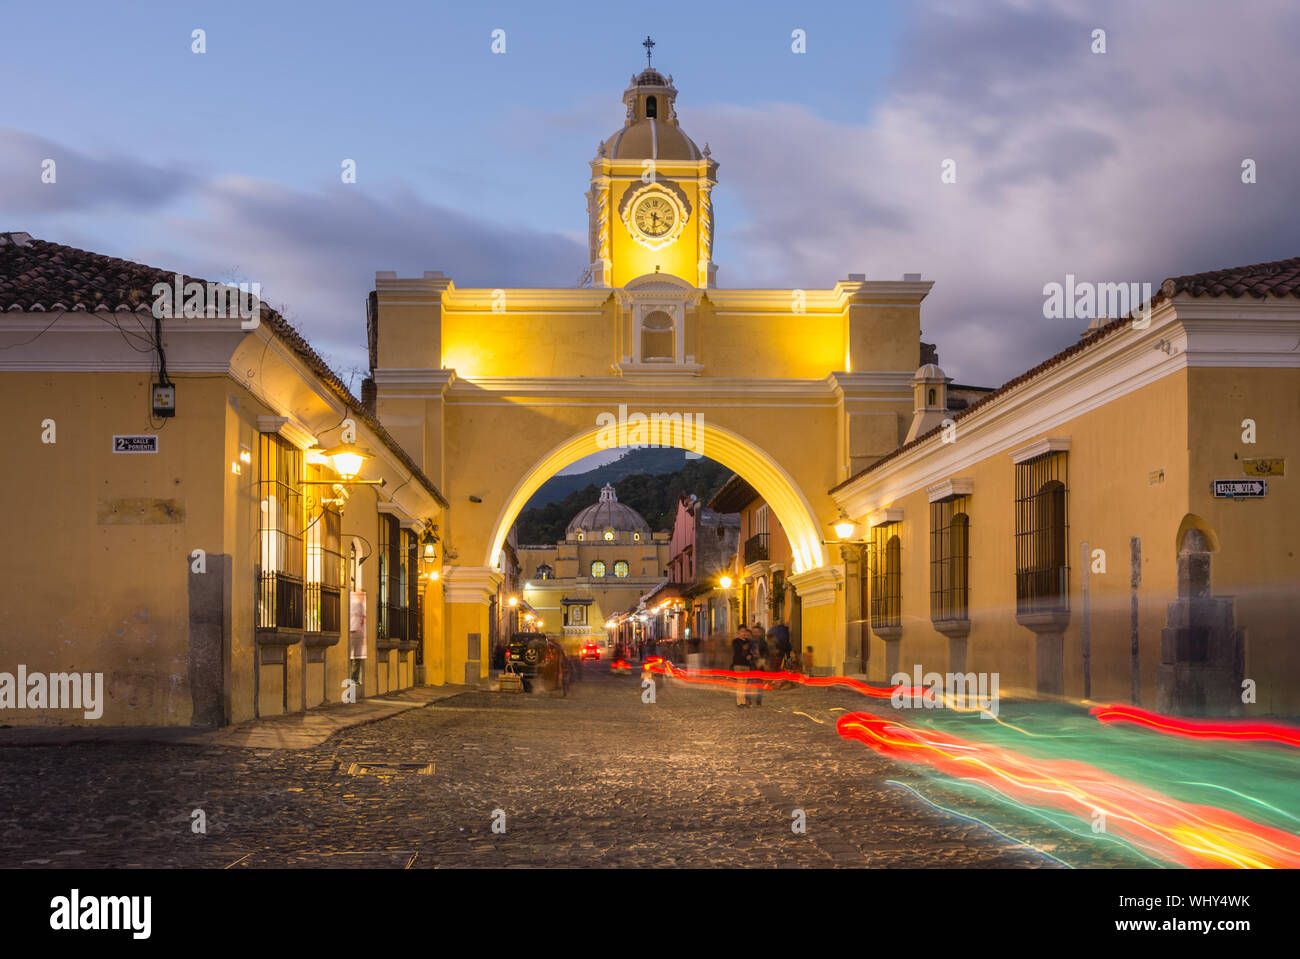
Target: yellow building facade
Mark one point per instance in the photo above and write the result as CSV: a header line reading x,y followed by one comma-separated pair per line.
x,y
1065,532
206,564
493,391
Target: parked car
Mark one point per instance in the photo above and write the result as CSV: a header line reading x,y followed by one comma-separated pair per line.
x,y
591,651
537,658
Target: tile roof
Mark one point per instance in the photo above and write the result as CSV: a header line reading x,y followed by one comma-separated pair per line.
x,y
1279,278
38,276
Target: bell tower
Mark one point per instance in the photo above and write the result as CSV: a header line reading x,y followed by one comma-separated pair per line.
x,y
649,207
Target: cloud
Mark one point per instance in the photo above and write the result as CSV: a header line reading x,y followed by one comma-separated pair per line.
x,y
82,182
317,252
1117,166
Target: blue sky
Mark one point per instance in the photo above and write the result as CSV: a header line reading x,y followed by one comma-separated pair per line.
x,y
1114,167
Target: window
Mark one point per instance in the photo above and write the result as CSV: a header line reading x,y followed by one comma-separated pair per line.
x,y
609,536
576,615
778,596
544,571
884,555
636,537
598,569
1042,568
324,569
651,108
621,568
950,559
581,536
397,556
280,571
657,344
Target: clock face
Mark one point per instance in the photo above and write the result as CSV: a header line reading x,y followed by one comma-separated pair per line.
x,y
654,215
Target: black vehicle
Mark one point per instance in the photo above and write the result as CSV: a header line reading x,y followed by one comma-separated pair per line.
x,y
536,658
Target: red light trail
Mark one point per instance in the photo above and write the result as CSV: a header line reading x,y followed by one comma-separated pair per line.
x,y
1199,728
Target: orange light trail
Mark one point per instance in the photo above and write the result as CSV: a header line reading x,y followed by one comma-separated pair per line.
x,y
1188,834
1198,728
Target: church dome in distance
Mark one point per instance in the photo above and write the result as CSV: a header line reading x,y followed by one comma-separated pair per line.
x,y
607,514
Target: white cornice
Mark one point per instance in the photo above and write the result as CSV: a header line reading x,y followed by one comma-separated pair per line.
x,y
1037,449
1125,361
961,486
817,587
883,517
295,432
576,300
848,384
633,388
393,508
391,378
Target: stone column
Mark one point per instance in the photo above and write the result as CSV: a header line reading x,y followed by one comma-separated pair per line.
x,y
467,595
854,663
822,626
1048,627
1202,653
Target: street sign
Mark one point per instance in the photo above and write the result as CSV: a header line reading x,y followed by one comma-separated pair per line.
x,y
135,444
1240,489
1272,466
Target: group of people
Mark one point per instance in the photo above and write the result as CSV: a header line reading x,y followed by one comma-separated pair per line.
x,y
752,651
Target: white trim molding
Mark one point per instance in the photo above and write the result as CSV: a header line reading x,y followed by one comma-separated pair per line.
x,y
1033,450
816,587
290,429
962,486
883,517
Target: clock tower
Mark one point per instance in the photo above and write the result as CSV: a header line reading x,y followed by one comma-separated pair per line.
x,y
649,207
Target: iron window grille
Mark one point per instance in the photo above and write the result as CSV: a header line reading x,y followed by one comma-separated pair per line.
x,y
324,572
1042,533
280,535
885,565
411,594
394,553
950,559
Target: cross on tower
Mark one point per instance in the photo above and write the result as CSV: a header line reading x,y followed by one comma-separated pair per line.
x,y
649,46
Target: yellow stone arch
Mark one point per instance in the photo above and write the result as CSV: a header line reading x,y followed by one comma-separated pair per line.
x,y
735,452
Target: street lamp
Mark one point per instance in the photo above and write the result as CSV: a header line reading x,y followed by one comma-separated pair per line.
x,y
348,459
844,526
430,554
725,582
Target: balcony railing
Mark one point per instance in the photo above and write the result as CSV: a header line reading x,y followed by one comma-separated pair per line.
x,y
756,548
323,609
279,601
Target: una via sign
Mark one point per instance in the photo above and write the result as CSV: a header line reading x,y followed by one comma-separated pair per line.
x,y
1238,489
136,444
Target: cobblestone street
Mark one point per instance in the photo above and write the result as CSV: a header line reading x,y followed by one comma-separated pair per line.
x,y
595,779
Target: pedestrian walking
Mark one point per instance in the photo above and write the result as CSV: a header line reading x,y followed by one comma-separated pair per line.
x,y
779,638
740,664
759,653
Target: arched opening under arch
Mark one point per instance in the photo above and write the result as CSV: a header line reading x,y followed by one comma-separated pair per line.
x,y
736,453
